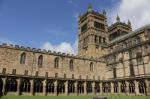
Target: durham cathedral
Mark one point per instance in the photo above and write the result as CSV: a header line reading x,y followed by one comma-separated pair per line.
x,y
111,60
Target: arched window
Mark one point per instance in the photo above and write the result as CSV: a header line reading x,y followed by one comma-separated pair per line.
x,y
56,62
22,58
91,66
71,65
40,61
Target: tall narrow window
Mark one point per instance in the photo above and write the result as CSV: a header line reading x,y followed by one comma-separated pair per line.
x,y
114,72
91,66
40,61
22,58
56,62
71,65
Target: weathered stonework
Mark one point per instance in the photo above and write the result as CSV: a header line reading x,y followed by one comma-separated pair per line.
x,y
106,64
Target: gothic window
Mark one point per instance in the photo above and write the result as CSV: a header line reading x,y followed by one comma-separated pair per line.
x,y
71,65
89,87
4,71
80,87
91,66
99,40
38,86
61,87
40,61
131,87
56,62
131,70
14,71
104,40
114,72
50,87
84,27
99,25
26,72
141,86
25,86
22,58
11,85
71,87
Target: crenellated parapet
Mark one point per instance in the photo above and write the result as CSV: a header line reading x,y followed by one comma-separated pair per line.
x,y
48,52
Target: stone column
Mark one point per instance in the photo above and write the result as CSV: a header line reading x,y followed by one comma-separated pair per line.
x,y
147,88
4,85
127,87
18,86
112,88
66,88
32,87
85,89
44,88
55,88
119,88
136,87
93,88
101,88
76,90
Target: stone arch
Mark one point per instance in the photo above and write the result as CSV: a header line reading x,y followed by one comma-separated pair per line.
x,y
97,87
50,86
89,87
131,87
71,65
61,87
80,87
56,62
23,58
106,87
11,85
40,61
25,85
38,85
71,87
123,87
141,86
115,87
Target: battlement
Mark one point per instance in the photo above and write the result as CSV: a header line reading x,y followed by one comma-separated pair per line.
x,y
44,51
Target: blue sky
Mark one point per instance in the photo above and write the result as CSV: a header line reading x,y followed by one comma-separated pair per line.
x,y
34,22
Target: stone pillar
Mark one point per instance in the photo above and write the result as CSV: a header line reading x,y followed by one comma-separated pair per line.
x,y
76,90
101,88
127,87
44,88
112,88
93,88
119,88
147,88
136,87
32,87
4,85
85,89
55,88
66,88
18,86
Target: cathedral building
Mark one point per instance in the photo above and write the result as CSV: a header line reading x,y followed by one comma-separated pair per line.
x,y
111,60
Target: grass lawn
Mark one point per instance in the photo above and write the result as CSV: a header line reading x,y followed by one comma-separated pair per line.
x,y
73,97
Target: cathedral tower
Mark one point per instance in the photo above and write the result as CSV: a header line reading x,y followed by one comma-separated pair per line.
x,y
92,33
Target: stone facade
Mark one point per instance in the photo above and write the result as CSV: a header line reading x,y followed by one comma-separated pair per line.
x,y
111,60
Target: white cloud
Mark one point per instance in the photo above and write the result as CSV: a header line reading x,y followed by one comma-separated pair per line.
x,y
64,47
3,40
138,11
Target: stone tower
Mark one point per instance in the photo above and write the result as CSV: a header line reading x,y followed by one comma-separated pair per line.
x,y
119,29
92,33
